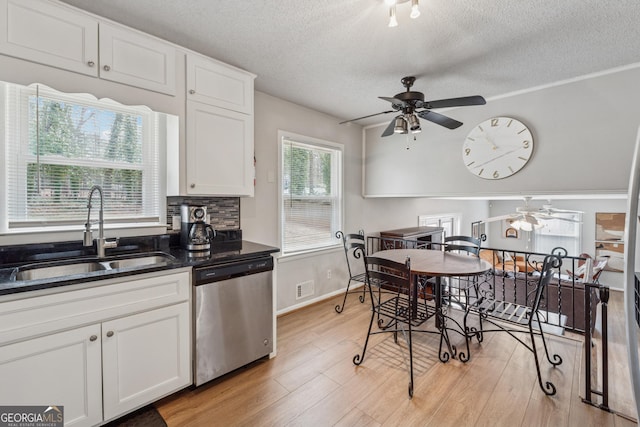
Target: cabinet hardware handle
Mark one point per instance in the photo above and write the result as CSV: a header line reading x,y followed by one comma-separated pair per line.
x,y
191,91
110,334
93,338
106,68
91,63
192,186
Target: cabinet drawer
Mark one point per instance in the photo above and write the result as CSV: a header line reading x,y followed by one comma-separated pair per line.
x,y
38,315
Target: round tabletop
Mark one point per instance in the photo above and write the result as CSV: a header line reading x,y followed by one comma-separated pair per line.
x,y
437,263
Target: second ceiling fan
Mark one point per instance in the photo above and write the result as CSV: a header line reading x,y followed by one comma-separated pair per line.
x,y
412,105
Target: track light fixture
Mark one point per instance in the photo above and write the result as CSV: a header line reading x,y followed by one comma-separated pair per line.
x,y
393,21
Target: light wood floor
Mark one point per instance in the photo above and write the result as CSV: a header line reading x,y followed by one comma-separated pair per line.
x,y
313,382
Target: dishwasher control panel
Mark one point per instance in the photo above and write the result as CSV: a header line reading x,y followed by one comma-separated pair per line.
x,y
226,271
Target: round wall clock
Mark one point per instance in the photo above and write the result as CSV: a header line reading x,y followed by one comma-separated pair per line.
x,y
497,148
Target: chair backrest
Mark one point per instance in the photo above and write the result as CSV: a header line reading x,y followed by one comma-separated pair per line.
x,y
551,263
351,242
467,244
393,275
601,263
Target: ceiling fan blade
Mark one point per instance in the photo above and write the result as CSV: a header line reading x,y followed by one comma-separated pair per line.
x,y
389,130
456,102
437,118
394,101
500,218
366,117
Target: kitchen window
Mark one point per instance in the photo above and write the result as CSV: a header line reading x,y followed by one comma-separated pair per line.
x,y
59,145
310,193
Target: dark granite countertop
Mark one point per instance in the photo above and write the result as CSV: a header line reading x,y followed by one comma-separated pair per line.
x,y
12,257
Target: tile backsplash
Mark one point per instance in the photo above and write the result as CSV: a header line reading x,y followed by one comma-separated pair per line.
x,y
223,211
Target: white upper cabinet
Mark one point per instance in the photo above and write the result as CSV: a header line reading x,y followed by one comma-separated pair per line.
x,y
44,32
58,36
215,83
137,60
219,147
219,151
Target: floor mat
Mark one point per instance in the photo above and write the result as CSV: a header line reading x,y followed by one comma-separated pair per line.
x,y
143,417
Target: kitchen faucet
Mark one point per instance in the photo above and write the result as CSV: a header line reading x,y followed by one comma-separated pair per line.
x,y
101,242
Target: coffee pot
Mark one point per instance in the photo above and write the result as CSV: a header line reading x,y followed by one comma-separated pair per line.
x,y
195,233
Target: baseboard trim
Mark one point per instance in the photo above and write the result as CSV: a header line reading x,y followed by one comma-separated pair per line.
x,y
315,300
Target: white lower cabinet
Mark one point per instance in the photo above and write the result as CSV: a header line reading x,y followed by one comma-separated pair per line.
x,y
123,345
59,369
144,356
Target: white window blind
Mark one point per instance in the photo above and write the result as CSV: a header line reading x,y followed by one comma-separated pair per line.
x,y
59,145
559,233
311,189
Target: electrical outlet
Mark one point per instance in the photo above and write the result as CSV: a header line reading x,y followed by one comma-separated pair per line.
x,y
328,274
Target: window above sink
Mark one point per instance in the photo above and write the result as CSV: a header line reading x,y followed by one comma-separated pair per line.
x,y
59,145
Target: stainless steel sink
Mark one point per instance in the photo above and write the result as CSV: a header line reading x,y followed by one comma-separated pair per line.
x,y
49,271
139,261
57,269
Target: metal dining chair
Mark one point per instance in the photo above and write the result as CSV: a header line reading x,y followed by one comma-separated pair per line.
x,y
351,242
392,309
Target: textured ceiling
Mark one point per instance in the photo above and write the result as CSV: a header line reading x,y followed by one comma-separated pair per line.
x,y
338,56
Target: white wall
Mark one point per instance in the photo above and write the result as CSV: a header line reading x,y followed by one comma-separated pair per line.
x,y
583,132
259,215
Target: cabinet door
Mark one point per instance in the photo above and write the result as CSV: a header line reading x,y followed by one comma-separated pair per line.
x,y
145,357
135,59
218,84
59,369
53,35
219,151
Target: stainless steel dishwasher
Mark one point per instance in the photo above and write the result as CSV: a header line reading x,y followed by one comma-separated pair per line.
x,y
233,315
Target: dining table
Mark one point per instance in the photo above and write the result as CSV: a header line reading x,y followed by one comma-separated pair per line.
x,y
437,264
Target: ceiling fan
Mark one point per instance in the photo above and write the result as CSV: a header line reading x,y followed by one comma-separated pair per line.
x,y
412,105
528,217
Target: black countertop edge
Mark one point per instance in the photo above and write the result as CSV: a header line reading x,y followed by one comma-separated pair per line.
x,y
237,251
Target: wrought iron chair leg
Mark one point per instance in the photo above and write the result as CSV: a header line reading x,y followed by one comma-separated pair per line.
x,y
364,293
338,307
410,354
358,359
557,360
547,388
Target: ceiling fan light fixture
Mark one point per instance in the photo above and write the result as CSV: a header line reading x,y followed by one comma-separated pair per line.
x,y
400,126
415,9
414,124
393,22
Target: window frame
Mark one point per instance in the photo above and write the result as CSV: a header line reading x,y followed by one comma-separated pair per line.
x,y
537,234
153,144
437,220
283,137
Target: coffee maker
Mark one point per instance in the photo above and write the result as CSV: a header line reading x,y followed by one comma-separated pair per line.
x,y
195,234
